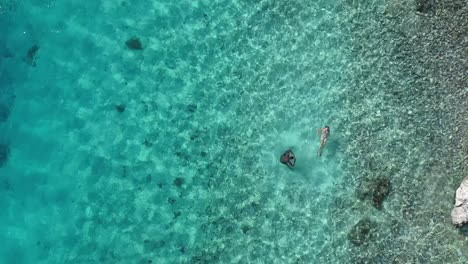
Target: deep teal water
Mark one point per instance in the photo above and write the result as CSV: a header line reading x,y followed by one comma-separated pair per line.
x,y
169,153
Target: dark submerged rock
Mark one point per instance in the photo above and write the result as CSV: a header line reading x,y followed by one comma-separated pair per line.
x,y
4,153
177,214
361,231
30,58
120,108
376,189
134,44
381,190
245,229
147,143
194,137
179,182
425,6
192,108
148,178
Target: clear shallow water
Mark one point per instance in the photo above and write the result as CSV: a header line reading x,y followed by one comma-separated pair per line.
x,y
189,171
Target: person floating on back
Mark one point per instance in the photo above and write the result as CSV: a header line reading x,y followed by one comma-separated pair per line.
x,y
288,158
323,138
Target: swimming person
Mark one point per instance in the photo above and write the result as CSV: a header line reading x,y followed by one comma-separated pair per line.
x,y
288,158
323,138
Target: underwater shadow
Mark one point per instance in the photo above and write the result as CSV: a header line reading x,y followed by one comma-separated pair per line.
x,y
332,147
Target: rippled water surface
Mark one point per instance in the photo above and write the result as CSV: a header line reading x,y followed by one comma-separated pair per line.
x,y
151,131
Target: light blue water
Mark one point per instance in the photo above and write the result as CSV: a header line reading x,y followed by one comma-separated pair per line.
x,y
170,154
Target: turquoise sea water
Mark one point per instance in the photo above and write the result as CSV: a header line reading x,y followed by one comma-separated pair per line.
x,y
169,153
